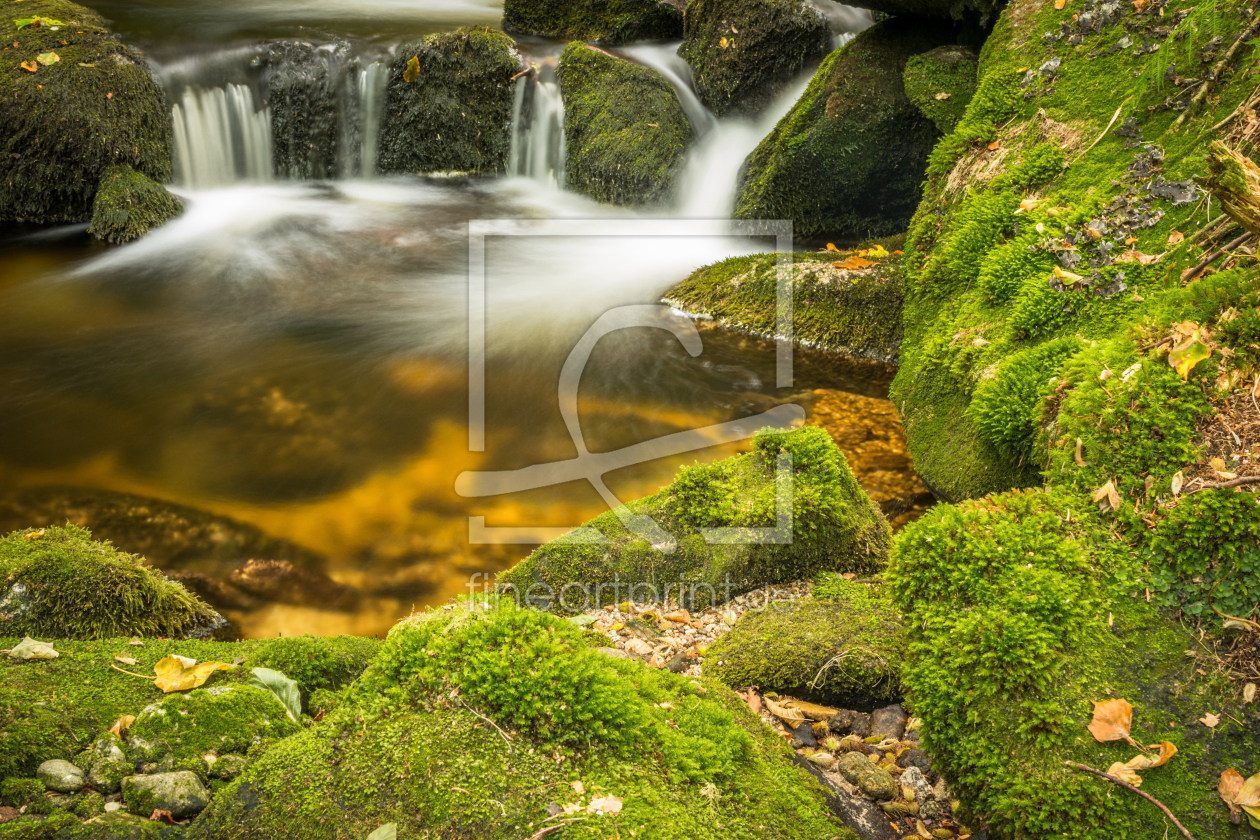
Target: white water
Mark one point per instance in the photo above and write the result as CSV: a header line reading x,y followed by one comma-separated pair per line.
x,y
537,145
371,106
221,137
663,58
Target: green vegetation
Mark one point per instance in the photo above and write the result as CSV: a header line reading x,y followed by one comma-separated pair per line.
x,y
473,720
857,313
63,584
745,53
67,124
609,22
128,205
625,133
844,645
848,159
456,114
220,719
941,82
835,527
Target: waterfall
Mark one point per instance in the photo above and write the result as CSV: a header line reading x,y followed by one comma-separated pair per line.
x,y
221,137
537,144
664,59
371,106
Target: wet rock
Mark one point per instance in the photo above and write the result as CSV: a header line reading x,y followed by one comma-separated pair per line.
x,y
859,814
860,725
455,115
181,793
60,776
841,721
227,767
282,582
805,734
107,765
889,722
941,82
915,757
626,135
305,83
619,22
745,53
874,781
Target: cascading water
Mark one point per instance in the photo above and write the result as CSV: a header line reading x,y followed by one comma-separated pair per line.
x,y
537,144
221,137
371,105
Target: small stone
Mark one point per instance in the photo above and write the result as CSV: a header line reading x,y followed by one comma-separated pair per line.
x,y
228,767
915,757
931,809
873,781
889,722
913,778
60,776
181,793
110,807
805,733
109,765
861,724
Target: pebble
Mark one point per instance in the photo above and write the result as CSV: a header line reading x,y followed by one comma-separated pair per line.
x,y
60,776
889,722
181,793
914,779
875,782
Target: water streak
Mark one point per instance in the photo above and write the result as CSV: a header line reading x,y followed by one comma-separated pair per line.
x,y
221,137
537,145
371,107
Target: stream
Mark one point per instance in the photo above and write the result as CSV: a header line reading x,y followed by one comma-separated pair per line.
x,y
292,351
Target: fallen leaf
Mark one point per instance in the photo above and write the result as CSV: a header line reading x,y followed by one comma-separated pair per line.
x,y
1139,5
1249,692
792,717
1239,794
1137,257
34,535
875,251
1068,276
1132,240
832,247
135,640
281,687
1059,4
412,71
724,43
109,96
1125,773
122,725
1112,721
578,787
754,701
853,264
30,66
1210,720
389,831
178,673
940,97
1176,237
126,660
993,147
607,805
1080,461
1026,205
163,817
1184,356
1110,494
1229,787
31,650
1177,481
48,58
1146,762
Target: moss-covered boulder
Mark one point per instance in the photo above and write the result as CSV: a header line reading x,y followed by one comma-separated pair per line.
x,y
608,22
64,825
978,11
855,311
452,111
305,88
60,583
744,54
834,527
941,82
849,158
128,205
219,719
625,132
843,645
483,722
1024,612
68,123
58,709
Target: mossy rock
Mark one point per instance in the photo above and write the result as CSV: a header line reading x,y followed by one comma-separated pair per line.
x,y
849,158
69,123
844,646
854,313
626,135
219,719
835,527
60,583
1024,611
57,709
413,746
608,22
304,93
941,82
456,115
128,205
744,54
981,12
66,826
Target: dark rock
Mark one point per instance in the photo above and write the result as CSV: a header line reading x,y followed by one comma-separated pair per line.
x,y
860,725
841,721
915,757
129,205
805,733
980,10
860,815
306,84
610,22
280,581
889,722
745,53
679,663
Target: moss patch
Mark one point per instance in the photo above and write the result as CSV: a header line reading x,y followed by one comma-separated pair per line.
x,y
625,132
857,313
220,719
456,115
128,205
68,123
835,527
607,22
941,82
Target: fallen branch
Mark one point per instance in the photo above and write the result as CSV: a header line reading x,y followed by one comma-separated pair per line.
x,y
1235,180
1224,485
524,72
1160,805
1215,74
1193,273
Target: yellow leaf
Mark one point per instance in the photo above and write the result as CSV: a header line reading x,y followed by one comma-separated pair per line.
x,y
178,673
48,58
1112,721
30,66
1026,205
1067,275
792,717
412,71
832,247
876,251
122,725
1059,4
723,43
853,264
1125,773
1146,762
1189,353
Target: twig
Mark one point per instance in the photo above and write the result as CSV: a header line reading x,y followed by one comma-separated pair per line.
x,y
1114,117
128,673
1159,343
1224,485
524,72
1140,793
1193,273
1212,591
506,737
1217,70
552,829
1242,106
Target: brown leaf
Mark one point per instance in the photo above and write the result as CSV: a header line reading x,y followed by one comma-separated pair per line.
x,y
1137,257
1125,773
122,725
1249,692
1112,721
1059,4
1210,720
993,147
126,660
165,817
1080,461
178,673
1229,787
1146,762
1176,237
1109,493
135,641
792,717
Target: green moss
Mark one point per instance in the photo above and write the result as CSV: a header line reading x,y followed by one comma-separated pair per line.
x,y
16,792
315,664
220,719
609,22
456,115
626,134
57,709
414,747
849,157
744,54
845,645
128,205
68,123
835,527
857,313
63,584
941,82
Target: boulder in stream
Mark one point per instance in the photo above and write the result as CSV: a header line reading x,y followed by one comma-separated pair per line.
x,y
74,103
626,133
305,86
600,21
448,104
128,205
849,158
744,54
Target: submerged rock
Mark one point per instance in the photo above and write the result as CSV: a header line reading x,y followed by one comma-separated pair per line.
x,y
835,527
626,134
744,54
455,114
128,205
181,793
601,21
849,158
69,122
941,82
281,582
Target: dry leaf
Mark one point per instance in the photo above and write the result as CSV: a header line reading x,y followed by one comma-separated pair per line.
x,y
1059,4
30,66
163,816
48,58
792,717
1249,692
1176,237
1125,773
121,725
1139,5
608,805
1132,240
832,247
754,701
1137,257
1146,762
1229,787
1080,461
1210,720
179,673
126,660
724,43
135,641
1239,794
1185,355
853,264
32,650
1177,481
34,535
1108,492
1112,721
940,97
578,788
1026,205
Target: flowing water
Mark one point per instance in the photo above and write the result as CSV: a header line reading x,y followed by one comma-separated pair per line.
x,y
293,351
